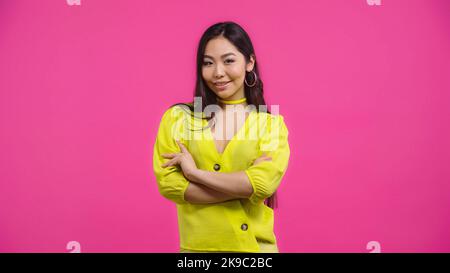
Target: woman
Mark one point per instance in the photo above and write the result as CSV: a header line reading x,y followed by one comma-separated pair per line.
x,y
221,157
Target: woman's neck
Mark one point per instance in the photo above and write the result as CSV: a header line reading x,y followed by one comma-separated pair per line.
x,y
232,104
232,107
235,102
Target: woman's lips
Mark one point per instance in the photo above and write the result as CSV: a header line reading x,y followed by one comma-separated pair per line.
x,y
222,86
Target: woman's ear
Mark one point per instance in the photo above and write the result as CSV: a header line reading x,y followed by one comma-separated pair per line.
x,y
251,63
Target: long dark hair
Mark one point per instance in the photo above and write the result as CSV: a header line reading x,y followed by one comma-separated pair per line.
x,y
240,39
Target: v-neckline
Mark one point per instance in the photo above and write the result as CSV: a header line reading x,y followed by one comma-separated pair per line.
x,y
213,140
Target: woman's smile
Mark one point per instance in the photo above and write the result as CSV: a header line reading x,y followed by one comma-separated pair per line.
x,y
221,86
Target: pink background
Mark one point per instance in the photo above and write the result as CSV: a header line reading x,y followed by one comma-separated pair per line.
x,y
364,91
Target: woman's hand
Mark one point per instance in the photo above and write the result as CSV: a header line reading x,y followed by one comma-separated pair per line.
x,y
184,159
262,158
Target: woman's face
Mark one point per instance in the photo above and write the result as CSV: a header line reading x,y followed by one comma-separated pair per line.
x,y
224,69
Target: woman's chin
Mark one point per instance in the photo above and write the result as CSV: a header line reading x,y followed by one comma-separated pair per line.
x,y
225,97
223,94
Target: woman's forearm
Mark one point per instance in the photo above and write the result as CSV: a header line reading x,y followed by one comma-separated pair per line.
x,y
234,184
200,194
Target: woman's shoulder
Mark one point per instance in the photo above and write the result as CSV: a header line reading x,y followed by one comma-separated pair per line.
x,y
177,112
271,118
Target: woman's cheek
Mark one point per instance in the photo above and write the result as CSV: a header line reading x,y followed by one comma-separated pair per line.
x,y
237,72
205,76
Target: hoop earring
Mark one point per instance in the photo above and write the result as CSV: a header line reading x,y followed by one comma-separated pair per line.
x,y
254,83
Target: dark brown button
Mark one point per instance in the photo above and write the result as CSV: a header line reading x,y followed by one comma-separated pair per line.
x,y
216,167
244,227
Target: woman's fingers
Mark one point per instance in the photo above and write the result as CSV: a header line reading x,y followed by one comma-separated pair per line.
x,y
262,158
175,157
182,147
169,155
170,163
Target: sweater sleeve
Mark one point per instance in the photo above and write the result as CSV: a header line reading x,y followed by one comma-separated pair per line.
x,y
171,182
266,176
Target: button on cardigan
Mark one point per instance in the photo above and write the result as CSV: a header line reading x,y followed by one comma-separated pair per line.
x,y
233,225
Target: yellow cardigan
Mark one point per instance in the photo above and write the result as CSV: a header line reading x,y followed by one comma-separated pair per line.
x,y
234,225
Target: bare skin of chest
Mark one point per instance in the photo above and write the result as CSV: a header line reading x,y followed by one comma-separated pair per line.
x,y
227,125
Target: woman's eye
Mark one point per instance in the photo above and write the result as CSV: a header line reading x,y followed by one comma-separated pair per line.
x,y
226,61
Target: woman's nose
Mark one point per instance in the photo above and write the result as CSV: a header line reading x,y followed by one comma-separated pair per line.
x,y
218,71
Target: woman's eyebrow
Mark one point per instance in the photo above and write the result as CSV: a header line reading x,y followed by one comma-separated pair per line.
x,y
223,56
